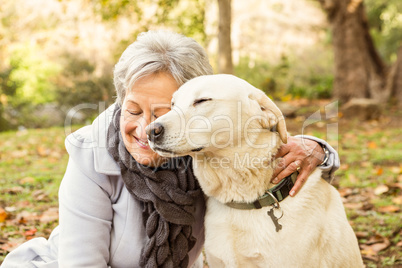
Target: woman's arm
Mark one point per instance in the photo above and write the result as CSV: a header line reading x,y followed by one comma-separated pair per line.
x,y
85,219
305,153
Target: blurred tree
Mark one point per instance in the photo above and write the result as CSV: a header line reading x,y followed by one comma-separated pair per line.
x,y
79,84
385,20
396,78
360,71
31,73
225,63
186,17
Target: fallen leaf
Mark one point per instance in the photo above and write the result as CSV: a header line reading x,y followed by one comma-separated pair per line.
x,y
384,139
29,180
365,164
396,185
19,154
344,167
10,209
56,154
369,257
387,209
30,232
381,246
367,250
3,214
15,190
25,216
353,179
362,234
374,245
367,206
344,192
42,151
397,200
381,189
396,169
372,145
353,205
375,239
40,195
50,215
379,171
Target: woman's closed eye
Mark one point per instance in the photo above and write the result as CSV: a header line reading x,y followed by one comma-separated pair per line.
x,y
198,101
132,112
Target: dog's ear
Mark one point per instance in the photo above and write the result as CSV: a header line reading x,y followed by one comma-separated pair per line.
x,y
273,115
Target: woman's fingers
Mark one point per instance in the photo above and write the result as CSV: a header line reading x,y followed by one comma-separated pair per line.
x,y
301,179
288,170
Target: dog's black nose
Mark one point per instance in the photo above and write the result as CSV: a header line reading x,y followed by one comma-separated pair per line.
x,y
154,131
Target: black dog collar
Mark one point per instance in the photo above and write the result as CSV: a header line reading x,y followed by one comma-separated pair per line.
x,y
279,192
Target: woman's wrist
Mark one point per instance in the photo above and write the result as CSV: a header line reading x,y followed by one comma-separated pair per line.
x,y
326,155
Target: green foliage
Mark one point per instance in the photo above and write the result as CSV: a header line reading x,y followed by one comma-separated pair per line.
x,y
385,19
25,83
29,76
256,73
78,83
317,87
111,9
186,17
284,78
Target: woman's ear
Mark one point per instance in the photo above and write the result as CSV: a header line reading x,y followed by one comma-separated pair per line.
x,y
273,116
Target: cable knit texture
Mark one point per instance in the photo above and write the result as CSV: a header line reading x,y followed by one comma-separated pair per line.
x,y
167,194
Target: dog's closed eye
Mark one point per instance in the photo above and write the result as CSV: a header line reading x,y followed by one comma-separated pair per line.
x,y
198,101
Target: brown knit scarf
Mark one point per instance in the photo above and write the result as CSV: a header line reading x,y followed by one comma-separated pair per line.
x,y
167,195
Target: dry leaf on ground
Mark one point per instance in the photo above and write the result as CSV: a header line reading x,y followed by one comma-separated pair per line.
x,y
387,209
381,189
3,214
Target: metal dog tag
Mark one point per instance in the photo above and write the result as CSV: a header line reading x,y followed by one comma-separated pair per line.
x,y
274,219
272,214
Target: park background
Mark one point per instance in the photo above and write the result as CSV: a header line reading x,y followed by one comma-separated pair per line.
x,y
333,66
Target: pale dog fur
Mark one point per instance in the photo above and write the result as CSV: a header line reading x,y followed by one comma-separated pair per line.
x,y
315,230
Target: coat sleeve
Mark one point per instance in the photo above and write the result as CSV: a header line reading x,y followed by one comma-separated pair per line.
x,y
333,162
85,217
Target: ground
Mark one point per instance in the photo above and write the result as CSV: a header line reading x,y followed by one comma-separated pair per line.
x,y
32,163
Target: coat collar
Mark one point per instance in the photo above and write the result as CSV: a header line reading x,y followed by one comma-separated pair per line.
x,y
103,161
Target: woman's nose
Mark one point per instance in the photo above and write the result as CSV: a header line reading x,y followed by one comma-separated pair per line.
x,y
143,122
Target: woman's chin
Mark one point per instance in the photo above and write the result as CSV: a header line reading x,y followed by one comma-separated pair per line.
x,y
151,160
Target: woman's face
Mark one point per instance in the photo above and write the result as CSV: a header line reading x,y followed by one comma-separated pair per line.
x,y
149,98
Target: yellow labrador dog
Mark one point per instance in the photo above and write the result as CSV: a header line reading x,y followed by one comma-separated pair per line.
x,y
232,130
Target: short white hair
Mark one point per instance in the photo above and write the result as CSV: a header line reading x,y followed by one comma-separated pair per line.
x,y
160,51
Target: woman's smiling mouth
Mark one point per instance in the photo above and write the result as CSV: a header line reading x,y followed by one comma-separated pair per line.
x,y
142,144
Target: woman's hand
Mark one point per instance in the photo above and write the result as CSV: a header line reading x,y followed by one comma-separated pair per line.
x,y
298,154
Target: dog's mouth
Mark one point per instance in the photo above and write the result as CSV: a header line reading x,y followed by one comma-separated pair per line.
x,y
167,153
164,152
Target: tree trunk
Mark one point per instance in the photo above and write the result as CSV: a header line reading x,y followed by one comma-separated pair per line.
x,y
359,70
395,81
225,64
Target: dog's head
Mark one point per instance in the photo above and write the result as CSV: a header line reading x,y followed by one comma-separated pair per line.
x,y
214,112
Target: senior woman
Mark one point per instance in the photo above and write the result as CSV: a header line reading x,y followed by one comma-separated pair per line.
x,y
121,204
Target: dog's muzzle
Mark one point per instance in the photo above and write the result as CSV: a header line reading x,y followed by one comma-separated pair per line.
x,y
155,132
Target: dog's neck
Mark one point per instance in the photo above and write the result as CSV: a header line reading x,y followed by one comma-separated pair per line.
x,y
240,174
